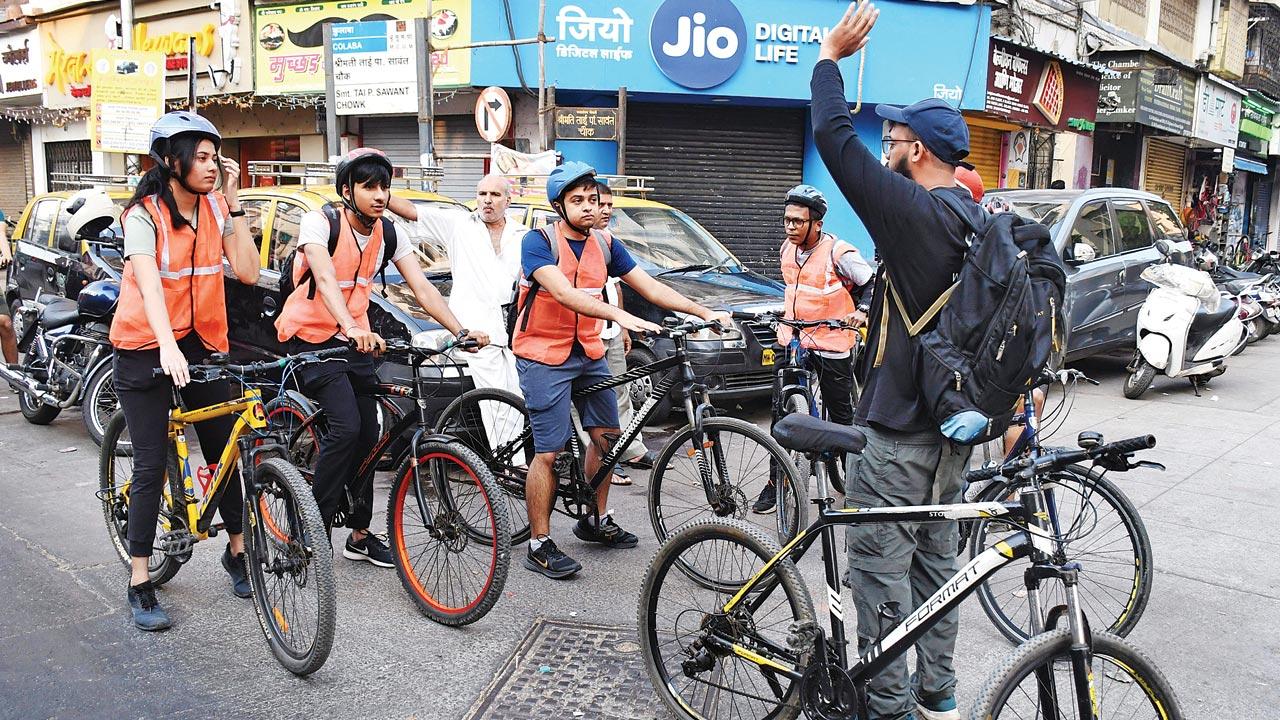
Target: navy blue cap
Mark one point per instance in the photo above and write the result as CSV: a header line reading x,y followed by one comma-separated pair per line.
x,y
938,125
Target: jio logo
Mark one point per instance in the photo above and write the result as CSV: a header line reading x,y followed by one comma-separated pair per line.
x,y
698,43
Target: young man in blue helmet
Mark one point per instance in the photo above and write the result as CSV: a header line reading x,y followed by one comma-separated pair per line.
x,y
558,348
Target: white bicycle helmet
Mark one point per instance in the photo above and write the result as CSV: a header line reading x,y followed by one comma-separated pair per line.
x,y
91,212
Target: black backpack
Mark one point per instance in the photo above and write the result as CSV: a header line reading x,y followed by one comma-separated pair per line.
x,y
331,212
998,326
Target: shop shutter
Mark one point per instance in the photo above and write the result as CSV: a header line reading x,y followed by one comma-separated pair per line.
x,y
728,168
65,159
397,136
15,158
1262,213
984,154
1163,170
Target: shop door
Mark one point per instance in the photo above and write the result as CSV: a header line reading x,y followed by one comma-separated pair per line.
x,y
984,155
65,162
453,134
727,168
1163,169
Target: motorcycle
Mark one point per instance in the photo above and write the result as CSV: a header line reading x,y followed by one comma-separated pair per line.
x,y
63,344
1186,328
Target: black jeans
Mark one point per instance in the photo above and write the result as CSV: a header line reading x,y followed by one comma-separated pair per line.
x,y
145,401
344,389
835,380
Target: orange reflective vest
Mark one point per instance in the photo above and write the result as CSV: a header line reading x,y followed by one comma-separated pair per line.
x,y
545,329
307,318
190,264
814,292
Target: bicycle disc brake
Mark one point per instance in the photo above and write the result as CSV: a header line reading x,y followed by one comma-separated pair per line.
x,y
827,692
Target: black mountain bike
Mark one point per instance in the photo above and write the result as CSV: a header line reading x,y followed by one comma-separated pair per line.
x,y
728,629
713,467
448,531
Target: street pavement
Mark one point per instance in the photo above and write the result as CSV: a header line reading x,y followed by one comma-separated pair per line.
x,y
69,650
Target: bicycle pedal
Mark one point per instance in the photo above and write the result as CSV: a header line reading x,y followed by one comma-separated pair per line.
x,y
176,544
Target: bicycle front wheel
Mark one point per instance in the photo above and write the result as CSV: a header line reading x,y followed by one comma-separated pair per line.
x,y
115,478
494,425
1037,682
449,532
290,564
292,416
1101,530
720,474
684,630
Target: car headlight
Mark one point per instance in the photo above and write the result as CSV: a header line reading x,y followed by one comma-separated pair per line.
x,y
432,339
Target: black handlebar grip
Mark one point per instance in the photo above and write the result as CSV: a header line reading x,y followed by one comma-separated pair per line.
x,y
982,474
740,315
1143,442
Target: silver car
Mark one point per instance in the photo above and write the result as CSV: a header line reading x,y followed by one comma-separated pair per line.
x,y
1106,237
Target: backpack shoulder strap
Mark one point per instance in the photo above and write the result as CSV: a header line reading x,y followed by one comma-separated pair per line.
x,y
524,310
605,241
957,208
330,211
389,244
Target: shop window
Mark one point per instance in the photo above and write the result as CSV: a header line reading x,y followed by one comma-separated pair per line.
x,y
1164,221
1093,228
42,222
284,233
1134,228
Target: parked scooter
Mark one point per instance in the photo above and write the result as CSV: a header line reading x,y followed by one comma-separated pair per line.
x,y
1186,328
64,350
1253,309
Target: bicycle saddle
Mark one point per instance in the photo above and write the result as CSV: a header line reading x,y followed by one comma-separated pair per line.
x,y
805,433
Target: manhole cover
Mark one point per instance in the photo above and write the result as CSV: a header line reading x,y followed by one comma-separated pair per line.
x,y
571,670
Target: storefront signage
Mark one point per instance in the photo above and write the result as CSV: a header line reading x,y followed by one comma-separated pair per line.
x,y
586,123
1030,87
1142,88
128,97
1217,117
745,48
375,70
20,65
168,28
288,40
1256,118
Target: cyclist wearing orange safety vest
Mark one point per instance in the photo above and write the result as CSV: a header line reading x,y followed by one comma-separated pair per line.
x,y
172,313
329,307
824,277
558,348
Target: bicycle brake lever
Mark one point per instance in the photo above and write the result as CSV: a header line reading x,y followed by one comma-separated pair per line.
x,y
1147,464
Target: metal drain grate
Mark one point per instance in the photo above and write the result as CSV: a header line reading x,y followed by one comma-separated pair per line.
x,y
568,669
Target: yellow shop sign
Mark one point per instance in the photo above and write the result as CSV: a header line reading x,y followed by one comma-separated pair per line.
x,y
175,43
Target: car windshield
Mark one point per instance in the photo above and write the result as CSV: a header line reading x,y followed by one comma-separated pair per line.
x,y
667,239
1049,213
432,255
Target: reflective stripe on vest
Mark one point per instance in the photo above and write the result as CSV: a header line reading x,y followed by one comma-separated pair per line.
x,y
191,275
551,328
814,291
309,318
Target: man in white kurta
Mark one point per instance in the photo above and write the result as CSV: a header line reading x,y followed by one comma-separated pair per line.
x,y
484,257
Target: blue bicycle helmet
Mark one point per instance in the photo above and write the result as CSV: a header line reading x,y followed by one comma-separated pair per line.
x,y
98,299
810,197
566,175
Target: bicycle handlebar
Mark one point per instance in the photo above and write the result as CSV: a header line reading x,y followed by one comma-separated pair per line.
x,y
773,317
1061,458
403,347
218,369
672,328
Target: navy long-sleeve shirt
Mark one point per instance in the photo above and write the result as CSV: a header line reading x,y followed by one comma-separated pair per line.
x,y
921,243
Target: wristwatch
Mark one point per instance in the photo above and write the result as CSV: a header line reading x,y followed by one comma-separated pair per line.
x,y
237,213
461,333
864,308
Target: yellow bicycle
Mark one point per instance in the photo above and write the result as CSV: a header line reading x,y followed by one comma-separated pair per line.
x,y
287,554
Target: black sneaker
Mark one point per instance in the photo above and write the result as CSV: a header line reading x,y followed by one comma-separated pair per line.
x,y
234,565
147,613
608,533
768,498
371,549
549,561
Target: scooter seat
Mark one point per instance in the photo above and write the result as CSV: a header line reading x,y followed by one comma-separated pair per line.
x,y
1205,323
59,313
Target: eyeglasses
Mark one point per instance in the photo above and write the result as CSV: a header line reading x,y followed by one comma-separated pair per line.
x,y
886,143
793,222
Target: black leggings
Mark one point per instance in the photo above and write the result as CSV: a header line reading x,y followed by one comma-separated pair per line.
x,y
835,379
145,401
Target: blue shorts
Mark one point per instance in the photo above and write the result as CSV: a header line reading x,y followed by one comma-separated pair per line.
x,y
547,390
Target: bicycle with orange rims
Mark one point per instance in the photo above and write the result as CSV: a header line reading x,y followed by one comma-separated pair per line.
x,y
448,527
287,553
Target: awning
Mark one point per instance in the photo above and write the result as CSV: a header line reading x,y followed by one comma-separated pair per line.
x,y
1252,166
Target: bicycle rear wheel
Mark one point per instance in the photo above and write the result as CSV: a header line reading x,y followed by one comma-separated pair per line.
x,y
494,425
115,476
1037,682
290,563
737,459
449,532
678,611
1105,535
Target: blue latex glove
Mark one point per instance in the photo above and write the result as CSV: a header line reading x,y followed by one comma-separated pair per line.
x,y
965,426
